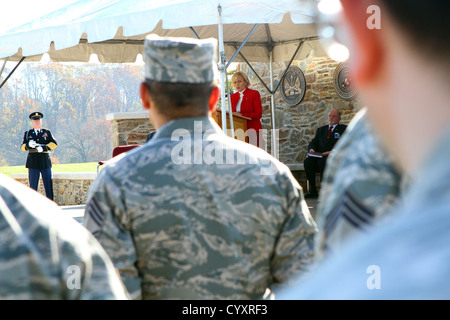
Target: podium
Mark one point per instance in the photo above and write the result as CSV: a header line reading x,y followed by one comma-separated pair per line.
x,y
239,124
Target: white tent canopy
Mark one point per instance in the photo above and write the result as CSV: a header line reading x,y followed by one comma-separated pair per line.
x,y
114,30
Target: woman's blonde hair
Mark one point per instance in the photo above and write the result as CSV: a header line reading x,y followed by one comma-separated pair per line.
x,y
240,74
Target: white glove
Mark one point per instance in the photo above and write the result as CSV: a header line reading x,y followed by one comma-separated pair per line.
x,y
39,149
32,144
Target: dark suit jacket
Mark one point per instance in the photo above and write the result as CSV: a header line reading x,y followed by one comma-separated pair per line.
x,y
251,107
320,143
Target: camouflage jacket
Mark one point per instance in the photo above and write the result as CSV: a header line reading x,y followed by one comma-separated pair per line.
x,y
44,255
360,185
403,257
194,214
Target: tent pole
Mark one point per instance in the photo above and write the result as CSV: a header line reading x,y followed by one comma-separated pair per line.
x,y
242,45
289,64
222,72
194,32
228,96
229,103
9,75
256,73
4,65
272,108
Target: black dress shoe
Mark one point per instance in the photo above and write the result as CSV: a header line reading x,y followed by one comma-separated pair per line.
x,y
311,195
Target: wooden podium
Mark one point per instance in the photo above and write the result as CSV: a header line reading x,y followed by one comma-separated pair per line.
x,y
239,124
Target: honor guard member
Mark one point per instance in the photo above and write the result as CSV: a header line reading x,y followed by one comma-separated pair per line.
x,y
39,142
197,223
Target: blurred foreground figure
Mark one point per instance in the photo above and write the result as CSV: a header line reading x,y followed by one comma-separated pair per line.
x,y
402,73
361,185
45,256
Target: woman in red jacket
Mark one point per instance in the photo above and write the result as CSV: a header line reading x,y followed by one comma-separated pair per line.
x,y
247,102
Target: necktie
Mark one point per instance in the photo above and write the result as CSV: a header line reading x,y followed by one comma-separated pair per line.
x,y
329,132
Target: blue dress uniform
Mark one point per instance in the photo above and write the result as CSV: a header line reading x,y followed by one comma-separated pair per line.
x,y
39,144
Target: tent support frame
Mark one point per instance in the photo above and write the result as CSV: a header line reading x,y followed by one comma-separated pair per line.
x,y
226,103
223,64
274,137
271,90
13,70
3,67
223,76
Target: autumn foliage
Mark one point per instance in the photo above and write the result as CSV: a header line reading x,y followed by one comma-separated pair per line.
x,y
75,100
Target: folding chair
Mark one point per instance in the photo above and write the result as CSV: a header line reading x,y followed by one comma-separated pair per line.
x,y
116,151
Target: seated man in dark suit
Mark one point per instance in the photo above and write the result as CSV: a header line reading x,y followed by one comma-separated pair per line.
x,y
323,142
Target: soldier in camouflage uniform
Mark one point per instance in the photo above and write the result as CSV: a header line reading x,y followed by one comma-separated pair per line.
x,y
44,255
360,185
406,256
194,214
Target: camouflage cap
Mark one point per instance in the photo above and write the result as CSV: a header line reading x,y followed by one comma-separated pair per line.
x,y
183,60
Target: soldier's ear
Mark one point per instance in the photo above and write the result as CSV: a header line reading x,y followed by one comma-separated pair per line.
x,y
145,96
367,45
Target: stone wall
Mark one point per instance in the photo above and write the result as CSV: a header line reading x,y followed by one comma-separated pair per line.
x,y
68,188
297,124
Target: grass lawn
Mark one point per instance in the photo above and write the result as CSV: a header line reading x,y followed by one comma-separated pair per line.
x,y
68,167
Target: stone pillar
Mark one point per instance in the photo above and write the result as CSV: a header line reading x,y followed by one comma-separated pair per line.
x,y
129,127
